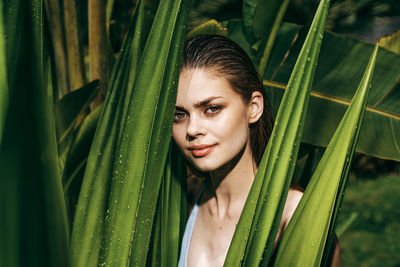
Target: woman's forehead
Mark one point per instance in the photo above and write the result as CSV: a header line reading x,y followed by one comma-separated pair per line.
x,y
198,84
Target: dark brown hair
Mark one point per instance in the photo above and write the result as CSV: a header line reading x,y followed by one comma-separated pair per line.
x,y
228,60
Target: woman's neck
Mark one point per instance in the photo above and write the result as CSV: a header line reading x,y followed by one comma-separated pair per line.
x,y
228,189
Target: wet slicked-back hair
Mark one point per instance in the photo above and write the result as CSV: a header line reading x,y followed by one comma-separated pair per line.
x,y
224,58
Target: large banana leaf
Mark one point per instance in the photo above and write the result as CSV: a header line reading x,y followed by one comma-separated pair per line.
x,y
261,22
339,68
219,10
255,233
303,241
259,17
33,225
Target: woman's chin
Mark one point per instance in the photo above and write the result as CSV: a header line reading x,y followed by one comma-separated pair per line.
x,y
205,166
204,169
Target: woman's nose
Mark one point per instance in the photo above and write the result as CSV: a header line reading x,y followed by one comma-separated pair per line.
x,y
195,127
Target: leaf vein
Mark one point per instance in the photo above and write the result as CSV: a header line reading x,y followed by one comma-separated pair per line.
x,y
342,101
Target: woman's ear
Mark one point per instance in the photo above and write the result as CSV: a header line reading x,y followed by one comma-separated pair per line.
x,y
256,106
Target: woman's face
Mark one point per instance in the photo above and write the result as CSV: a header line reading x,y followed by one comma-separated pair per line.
x,y
211,122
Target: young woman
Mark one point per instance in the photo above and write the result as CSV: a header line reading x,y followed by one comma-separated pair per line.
x,y
222,124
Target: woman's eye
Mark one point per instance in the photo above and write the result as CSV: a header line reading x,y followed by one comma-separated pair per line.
x,y
212,109
179,116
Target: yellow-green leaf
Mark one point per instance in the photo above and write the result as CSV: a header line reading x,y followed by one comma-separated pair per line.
x,y
255,233
391,42
304,239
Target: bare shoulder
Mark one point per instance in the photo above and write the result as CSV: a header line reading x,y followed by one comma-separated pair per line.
x,y
292,200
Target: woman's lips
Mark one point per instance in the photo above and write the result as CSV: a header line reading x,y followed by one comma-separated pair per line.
x,y
201,150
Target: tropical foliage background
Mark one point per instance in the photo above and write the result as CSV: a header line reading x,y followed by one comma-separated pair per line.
x,y
66,65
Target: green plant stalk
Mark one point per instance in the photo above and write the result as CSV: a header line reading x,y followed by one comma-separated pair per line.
x,y
59,66
261,21
92,204
304,239
109,10
4,94
272,37
146,136
75,61
259,221
255,23
33,228
341,228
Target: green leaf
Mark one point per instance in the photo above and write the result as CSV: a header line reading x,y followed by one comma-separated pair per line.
x,y
209,27
68,108
170,221
69,113
33,225
4,94
13,29
92,204
125,165
76,159
259,16
219,10
161,60
391,42
81,145
109,10
271,37
339,68
341,228
261,214
261,20
236,33
303,241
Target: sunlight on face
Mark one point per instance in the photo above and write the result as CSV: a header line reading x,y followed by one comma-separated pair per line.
x,y
211,122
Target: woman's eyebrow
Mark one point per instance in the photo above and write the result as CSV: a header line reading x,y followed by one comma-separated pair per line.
x,y
206,101
180,108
